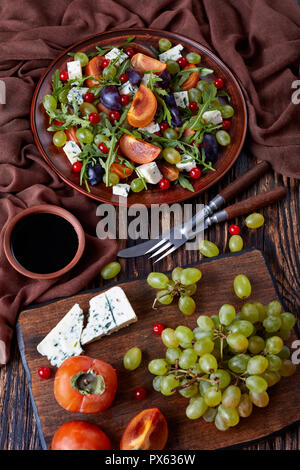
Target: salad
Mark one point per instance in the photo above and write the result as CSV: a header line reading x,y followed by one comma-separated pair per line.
x,y
129,119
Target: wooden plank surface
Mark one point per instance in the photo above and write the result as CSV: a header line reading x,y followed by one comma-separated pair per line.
x,y
279,238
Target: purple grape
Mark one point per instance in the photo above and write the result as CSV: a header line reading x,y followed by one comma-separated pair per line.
x,y
110,98
172,106
166,78
134,76
210,146
94,173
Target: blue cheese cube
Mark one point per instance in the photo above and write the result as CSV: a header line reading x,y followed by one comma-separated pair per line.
x,y
120,306
121,190
113,54
145,79
181,98
172,54
72,150
152,127
186,164
64,340
128,89
74,69
214,116
77,93
150,172
100,320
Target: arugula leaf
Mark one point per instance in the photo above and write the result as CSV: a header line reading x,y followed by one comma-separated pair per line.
x,y
57,84
184,182
122,68
204,72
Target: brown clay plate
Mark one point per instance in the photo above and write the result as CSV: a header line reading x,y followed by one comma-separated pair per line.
x,y
143,37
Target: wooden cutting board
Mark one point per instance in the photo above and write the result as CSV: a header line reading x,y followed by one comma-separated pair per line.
x,y
214,289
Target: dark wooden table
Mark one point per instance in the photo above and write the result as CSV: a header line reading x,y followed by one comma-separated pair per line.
x,y
278,238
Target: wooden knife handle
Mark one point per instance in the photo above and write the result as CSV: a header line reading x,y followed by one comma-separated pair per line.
x,y
256,202
244,181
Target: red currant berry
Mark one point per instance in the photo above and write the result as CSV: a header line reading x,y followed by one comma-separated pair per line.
x,y
164,183
125,99
158,328
218,82
195,173
94,118
105,63
57,123
64,76
130,52
44,372
234,229
124,78
226,125
182,62
114,116
76,167
159,134
163,126
89,97
140,393
193,106
103,147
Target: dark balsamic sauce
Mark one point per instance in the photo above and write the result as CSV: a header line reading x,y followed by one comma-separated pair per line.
x,y
44,243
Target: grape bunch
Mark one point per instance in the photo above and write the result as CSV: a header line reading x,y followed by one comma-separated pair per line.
x,y
228,362
183,284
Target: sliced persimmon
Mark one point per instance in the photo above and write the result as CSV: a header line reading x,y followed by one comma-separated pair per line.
x,y
192,80
146,431
138,150
122,171
94,68
143,63
143,108
71,134
103,109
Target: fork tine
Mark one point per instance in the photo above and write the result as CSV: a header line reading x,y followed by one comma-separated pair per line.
x,y
156,245
166,254
163,248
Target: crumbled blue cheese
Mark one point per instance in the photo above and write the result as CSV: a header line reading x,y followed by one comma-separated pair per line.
x,y
114,53
121,190
214,116
152,127
181,98
64,340
74,69
77,93
172,54
186,164
150,172
72,149
145,79
120,307
128,89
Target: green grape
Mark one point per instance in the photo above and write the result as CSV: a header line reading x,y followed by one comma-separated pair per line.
x,y
193,58
271,377
257,365
243,327
176,273
216,320
173,67
158,367
164,297
272,324
285,352
254,220
82,57
164,44
274,362
171,155
242,286
84,135
261,311
202,85
259,399
157,280
59,139
168,384
235,243
210,414
245,406
205,323
227,314
195,95
208,363
101,138
203,385
196,369
49,103
169,339
137,185
256,384
227,111
199,333
203,346
250,313
213,396
184,334
274,308
156,383
186,305
238,364
223,138
237,341
113,178
172,355
229,416
170,134
189,290
274,345
109,72
222,376
188,392
196,408
208,249
284,334
186,345
86,109
111,270
287,368
231,397
132,359
256,344
288,321
190,276
187,358
219,423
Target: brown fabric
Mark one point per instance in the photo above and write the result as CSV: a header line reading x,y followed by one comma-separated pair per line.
x,y
258,39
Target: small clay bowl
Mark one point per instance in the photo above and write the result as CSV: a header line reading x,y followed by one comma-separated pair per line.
x,y
43,209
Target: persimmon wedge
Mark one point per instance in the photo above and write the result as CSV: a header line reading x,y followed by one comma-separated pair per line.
x,y
146,431
71,134
143,63
94,68
122,171
143,108
138,150
192,79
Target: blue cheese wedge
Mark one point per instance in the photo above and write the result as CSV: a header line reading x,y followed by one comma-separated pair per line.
x,y
214,116
121,190
150,172
100,320
120,307
172,54
181,98
152,127
114,53
186,164
77,93
64,340
128,89
74,69
72,150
